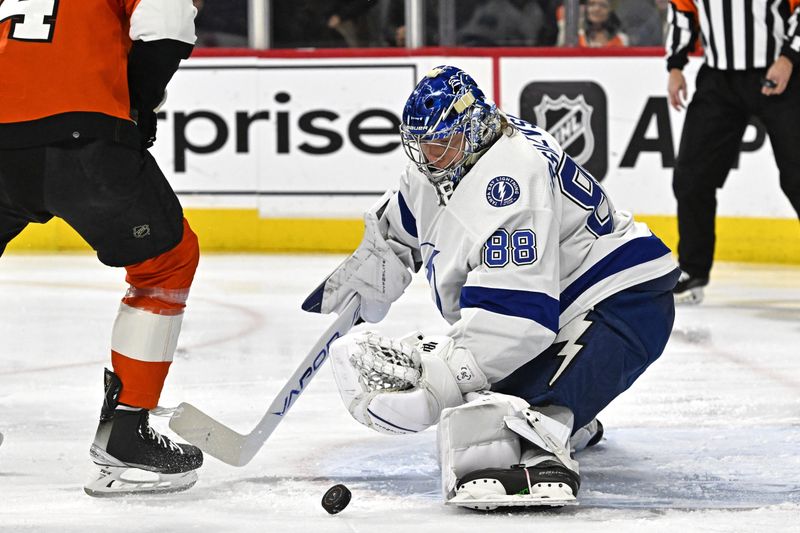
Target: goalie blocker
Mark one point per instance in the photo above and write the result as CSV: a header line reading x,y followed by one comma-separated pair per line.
x,y
378,270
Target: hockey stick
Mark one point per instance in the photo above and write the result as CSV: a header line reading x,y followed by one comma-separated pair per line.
x,y
236,449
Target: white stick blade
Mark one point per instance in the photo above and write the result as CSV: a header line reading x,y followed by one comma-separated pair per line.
x,y
209,435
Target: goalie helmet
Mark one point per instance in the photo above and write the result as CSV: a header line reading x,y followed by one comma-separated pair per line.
x,y
446,103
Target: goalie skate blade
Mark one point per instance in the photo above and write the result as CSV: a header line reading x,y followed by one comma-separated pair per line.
x,y
488,494
112,482
209,435
513,501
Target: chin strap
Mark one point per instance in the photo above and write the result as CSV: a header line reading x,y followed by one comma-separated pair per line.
x,y
444,190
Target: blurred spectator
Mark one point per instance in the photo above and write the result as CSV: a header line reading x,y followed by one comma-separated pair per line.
x,y
601,26
480,22
548,34
355,21
392,16
221,23
503,23
643,20
303,24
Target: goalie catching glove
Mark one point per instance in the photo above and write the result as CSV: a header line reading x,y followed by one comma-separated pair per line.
x,y
402,386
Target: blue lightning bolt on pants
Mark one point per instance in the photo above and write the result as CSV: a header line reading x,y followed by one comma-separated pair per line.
x,y
627,332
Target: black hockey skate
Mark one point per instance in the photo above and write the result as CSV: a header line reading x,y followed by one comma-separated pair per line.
x,y
549,483
689,289
587,436
599,431
132,457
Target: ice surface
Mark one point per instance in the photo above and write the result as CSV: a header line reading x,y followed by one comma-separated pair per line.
x,y
706,440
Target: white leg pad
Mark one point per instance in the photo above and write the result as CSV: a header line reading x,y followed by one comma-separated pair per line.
x,y
474,436
145,336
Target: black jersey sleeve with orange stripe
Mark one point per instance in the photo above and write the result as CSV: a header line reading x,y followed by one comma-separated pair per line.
x,y
791,43
682,32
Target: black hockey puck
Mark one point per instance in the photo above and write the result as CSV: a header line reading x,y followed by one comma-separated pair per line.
x,y
336,499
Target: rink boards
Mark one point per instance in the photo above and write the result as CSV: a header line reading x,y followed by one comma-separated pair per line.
x,y
282,151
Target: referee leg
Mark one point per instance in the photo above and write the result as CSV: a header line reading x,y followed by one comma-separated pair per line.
x,y
710,142
781,116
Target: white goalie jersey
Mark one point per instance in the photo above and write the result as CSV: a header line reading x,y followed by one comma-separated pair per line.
x,y
528,241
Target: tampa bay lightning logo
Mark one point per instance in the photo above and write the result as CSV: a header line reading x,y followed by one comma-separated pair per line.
x,y
502,191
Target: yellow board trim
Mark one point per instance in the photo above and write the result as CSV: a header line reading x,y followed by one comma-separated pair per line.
x,y
761,240
750,240
219,230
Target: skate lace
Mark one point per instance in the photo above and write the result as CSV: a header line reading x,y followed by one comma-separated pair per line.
x,y
163,441
155,436
528,478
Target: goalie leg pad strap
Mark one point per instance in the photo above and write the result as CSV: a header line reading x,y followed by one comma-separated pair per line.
x,y
550,434
474,436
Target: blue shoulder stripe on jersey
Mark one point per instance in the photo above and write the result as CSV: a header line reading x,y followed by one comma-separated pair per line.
x,y
628,255
536,306
407,217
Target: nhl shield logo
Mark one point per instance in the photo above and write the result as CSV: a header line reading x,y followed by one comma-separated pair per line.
x,y
569,121
140,232
576,114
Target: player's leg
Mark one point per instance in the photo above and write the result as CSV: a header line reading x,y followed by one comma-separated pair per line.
x,y
143,342
119,201
11,223
594,359
501,450
21,192
597,356
710,142
496,450
780,115
10,226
